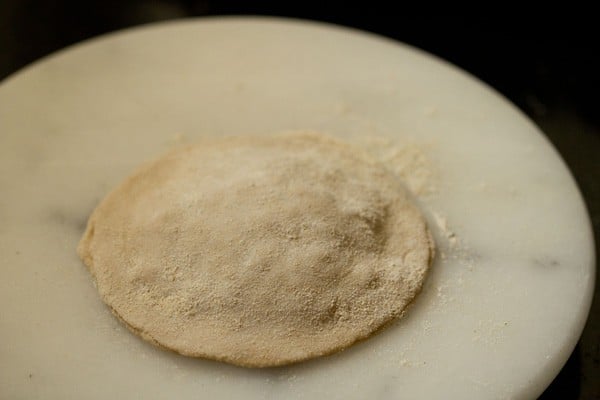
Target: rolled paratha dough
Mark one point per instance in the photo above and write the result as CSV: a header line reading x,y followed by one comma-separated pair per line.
x,y
258,251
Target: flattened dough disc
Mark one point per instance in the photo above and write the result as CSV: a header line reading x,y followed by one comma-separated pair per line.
x,y
258,251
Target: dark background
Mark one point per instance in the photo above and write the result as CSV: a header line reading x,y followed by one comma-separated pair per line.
x,y
547,66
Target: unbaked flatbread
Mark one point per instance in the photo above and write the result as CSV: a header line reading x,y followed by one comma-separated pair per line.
x,y
258,251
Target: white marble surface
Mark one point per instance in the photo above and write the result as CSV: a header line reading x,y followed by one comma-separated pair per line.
x,y
498,317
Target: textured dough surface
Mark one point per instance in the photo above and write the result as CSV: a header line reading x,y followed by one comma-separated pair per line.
x,y
258,251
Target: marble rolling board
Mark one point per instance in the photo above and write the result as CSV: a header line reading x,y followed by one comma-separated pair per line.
x,y
507,296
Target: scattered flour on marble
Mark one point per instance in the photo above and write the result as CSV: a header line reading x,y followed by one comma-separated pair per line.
x,y
412,162
442,224
176,139
408,159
